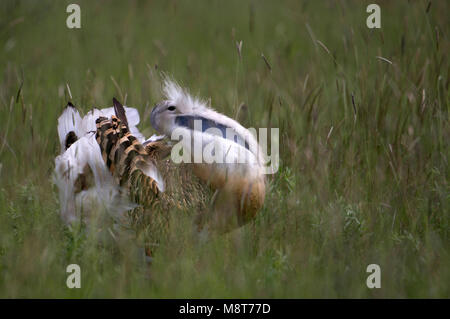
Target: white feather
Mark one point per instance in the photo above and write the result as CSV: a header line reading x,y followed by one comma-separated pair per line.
x,y
152,172
154,138
85,153
70,120
88,122
187,104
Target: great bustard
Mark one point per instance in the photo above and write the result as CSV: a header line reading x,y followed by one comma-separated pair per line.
x,y
105,161
106,164
237,169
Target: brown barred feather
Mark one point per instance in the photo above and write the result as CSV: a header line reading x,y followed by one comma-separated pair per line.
x,y
126,159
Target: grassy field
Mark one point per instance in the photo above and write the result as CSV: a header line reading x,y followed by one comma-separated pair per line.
x,y
364,144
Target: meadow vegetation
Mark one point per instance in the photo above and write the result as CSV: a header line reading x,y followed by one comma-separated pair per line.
x,y
364,128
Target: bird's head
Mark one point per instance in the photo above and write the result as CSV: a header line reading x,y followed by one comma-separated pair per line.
x,y
180,109
166,115
163,117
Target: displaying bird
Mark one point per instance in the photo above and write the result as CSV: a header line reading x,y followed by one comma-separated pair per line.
x,y
237,169
106,164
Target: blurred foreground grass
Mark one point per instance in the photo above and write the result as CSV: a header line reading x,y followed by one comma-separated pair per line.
x,y
364,130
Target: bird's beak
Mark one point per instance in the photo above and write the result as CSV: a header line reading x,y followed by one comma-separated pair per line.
x,y
154,138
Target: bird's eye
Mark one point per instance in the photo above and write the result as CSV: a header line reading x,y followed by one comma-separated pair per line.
x,y
171,108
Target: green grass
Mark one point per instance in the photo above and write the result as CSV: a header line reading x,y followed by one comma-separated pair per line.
x,y
364,144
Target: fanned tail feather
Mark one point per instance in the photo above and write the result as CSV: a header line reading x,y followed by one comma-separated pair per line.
x,y
83,179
